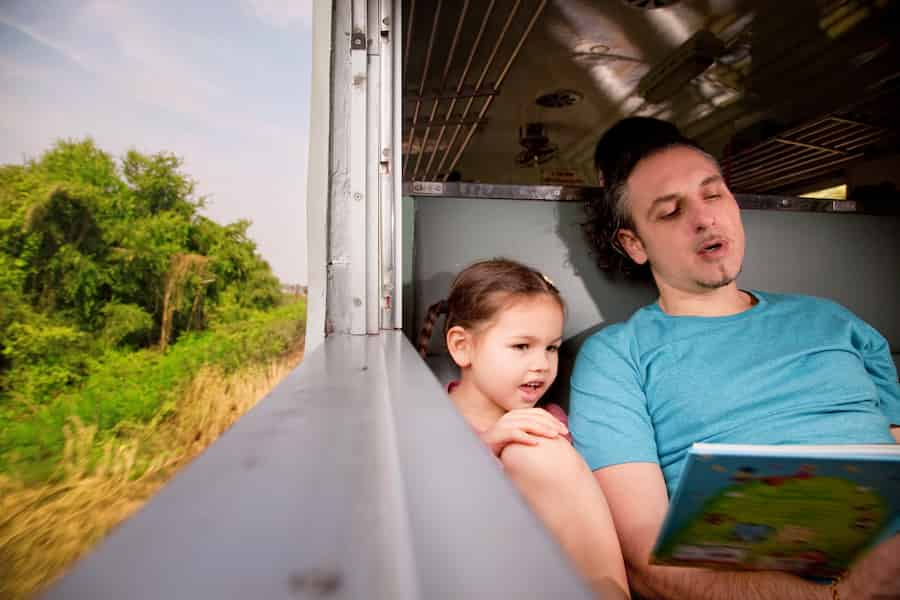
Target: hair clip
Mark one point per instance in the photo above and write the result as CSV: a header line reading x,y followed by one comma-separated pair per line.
x,y
549,281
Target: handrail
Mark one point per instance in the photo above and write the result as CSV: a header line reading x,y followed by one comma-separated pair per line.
x,y
354,478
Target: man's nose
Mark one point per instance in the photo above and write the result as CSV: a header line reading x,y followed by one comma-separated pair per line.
x,y
704,216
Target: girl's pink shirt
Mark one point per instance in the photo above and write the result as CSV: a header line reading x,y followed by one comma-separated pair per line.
x,y
554,409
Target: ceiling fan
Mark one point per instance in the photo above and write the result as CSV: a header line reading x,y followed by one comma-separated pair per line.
x,y
538,149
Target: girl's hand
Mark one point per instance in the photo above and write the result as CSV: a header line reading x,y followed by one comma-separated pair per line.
x,y
522,426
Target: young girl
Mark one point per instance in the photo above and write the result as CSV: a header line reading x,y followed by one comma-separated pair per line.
x,y
504,324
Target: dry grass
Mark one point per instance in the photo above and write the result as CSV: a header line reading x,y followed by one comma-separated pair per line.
x,y
44,529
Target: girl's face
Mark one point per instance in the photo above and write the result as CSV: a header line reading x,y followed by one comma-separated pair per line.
x,y
514,358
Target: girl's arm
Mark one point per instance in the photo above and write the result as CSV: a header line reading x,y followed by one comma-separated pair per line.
x,y
562,491
522,426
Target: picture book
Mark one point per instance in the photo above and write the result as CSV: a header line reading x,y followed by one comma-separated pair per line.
x,y
808,510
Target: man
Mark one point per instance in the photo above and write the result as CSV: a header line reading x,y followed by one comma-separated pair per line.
x,y
710,362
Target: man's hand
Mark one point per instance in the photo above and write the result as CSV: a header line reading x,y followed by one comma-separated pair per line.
x,y
522,426
876,575
638,525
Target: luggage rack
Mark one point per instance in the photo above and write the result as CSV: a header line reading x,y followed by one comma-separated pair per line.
x,y
558,193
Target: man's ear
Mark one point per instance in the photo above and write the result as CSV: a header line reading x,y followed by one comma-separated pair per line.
x,y
459,343
632,245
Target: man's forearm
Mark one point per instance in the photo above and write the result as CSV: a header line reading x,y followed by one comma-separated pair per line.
x,y
875,575
677,583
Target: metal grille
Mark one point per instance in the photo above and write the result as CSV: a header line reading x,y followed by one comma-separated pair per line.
x,y
448,90
806,152
821,147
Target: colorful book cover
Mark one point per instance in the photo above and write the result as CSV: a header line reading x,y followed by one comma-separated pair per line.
x,y
808,510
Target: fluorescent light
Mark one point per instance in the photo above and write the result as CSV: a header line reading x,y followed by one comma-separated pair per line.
x,y
693,57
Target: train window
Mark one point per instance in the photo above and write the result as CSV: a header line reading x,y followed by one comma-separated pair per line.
x,y
833,192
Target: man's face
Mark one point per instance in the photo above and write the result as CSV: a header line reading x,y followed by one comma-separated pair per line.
x,y
687,224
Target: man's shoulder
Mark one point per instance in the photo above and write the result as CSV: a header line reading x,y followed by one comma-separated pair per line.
x,y
802,302
624,333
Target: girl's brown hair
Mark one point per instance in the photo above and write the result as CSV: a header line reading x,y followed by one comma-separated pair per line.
x,y
480,291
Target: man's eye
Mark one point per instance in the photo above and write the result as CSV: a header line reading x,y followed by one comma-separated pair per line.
x,y
670,215
713,196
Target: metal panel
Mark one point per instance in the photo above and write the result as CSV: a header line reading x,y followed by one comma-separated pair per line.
x,y
388,200
317,177
555,193
397,158
794,204
373,176
490,191
358,147
338,223
355,478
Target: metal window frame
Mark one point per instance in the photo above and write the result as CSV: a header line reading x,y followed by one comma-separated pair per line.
x,y
354,215
355,478
318,188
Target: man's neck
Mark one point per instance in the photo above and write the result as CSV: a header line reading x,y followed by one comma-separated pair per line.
x,y
721,302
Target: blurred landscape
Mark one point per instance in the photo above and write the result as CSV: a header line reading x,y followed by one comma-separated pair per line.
x,y
133,331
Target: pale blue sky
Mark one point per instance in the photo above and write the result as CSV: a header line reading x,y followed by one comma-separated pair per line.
x,y
224,85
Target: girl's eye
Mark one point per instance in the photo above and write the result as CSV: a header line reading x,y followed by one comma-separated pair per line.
x,y
520,346
552,348
713,196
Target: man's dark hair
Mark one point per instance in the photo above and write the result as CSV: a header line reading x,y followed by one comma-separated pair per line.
x,y
619,150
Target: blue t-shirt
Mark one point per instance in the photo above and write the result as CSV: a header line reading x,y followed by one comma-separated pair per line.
x,y
789,370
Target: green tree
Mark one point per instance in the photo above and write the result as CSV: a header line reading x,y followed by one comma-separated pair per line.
x,y
101,253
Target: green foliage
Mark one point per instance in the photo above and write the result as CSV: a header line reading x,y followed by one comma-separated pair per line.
x,y
125,324
48,357
125,388
102,261
153,186
79,231
80,162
